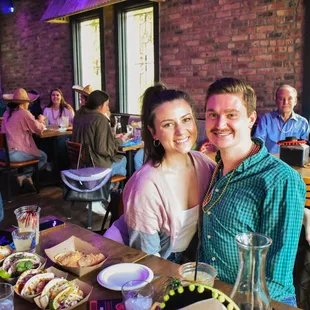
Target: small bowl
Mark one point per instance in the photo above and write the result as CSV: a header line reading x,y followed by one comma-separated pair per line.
x,y
205,273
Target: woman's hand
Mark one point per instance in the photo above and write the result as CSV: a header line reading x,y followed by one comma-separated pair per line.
x,y
41,118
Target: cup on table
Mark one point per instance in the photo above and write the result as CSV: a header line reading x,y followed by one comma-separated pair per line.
x,y
6,296
138,295
28,219
24,241
46,121
205,273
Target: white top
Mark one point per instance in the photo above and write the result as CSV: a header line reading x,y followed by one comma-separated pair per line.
x,y
189,222
53,116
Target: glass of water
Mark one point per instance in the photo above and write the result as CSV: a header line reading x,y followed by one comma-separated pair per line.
x,y
6,296
24,241
138,295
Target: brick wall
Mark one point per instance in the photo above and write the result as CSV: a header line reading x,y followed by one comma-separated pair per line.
x,y
35,54
257,40
260,41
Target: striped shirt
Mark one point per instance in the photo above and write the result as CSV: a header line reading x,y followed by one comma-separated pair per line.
x,y
264,195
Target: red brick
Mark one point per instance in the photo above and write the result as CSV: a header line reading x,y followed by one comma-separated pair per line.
x,y
240,38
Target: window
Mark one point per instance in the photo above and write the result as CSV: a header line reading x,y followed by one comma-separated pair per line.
x,y
87,51
137,54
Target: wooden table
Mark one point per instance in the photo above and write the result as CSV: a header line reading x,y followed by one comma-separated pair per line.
x,y
51,133
117,253
129,154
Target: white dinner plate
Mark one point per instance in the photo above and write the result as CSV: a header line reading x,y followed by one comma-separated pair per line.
x,y
115,276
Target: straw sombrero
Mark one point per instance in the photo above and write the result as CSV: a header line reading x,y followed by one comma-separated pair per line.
x,y
20,96
83,90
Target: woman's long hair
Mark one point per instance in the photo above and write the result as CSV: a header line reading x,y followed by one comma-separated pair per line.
x,y
152,98
13,106
63,103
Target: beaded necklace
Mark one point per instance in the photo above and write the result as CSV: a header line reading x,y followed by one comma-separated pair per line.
x,y
254,149
281,129
54,118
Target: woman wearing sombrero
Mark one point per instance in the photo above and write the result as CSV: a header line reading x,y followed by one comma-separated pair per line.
x,y
19,125
84,92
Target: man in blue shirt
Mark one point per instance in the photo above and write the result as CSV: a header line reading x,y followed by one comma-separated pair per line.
x,y
277,125
250,191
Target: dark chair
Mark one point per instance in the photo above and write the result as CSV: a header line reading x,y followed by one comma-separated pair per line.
x,y
10,168
302,263
78,156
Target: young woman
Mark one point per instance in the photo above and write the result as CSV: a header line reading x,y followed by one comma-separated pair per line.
x,y
57,113
58,109
161,200
19,125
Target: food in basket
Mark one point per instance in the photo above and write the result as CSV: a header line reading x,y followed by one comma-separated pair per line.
x,y
16,263
60,294
32,282
79,259
5,251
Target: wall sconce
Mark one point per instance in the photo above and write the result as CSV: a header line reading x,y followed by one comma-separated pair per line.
x,y
7,6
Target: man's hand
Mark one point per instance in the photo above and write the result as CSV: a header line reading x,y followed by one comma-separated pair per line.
x,y
306,222
124,137
41,118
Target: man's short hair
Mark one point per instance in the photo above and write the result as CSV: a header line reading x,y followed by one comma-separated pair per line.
x,y
237,87
286,86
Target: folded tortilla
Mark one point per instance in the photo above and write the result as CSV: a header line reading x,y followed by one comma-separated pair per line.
x,y
35,285
13,258
24,277
51,290
68,297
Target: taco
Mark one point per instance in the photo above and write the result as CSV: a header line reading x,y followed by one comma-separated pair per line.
x,y
5,251
15,257
51,290
35,285
22,265
67,298
24,277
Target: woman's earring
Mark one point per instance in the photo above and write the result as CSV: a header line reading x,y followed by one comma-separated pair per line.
x,y
156,143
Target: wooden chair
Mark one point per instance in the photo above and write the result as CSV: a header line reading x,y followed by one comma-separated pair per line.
x,y
9,167
79,157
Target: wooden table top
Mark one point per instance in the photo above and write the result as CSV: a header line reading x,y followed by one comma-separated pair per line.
x,y
49,133
132,147
117,253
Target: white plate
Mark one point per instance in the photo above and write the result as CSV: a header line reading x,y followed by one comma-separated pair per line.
x,y
115,276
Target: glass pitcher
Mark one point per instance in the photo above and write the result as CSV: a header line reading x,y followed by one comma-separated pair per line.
x,y
250,290
118,124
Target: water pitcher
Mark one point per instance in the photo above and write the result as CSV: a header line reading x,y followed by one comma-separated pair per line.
x,y
250,291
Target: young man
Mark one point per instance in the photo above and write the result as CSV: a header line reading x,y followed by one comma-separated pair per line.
x,y
277,125
251,190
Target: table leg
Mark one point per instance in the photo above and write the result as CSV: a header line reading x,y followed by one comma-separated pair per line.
x,y
129,163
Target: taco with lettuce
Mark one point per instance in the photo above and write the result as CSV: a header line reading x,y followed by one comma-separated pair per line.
x,y
16,263
24,277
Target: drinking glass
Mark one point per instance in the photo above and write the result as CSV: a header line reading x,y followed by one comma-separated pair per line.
x,y
205,273
6,296
118,124
28,219
23,240
138,295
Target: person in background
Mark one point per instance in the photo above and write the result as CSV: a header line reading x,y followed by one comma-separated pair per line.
x,y
161,199
19,125
2,105
138,159
56,113
35,107
58,108
91,127
83,92
277,125
251,191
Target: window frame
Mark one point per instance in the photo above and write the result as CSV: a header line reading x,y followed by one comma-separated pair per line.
x,y
75,21
120,43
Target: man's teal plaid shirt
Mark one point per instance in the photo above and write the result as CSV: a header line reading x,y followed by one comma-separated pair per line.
x,y
264,195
